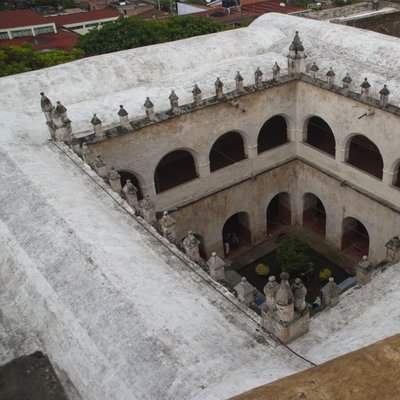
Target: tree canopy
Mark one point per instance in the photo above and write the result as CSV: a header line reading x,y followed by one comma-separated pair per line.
x,y
290,254
129,32
24,58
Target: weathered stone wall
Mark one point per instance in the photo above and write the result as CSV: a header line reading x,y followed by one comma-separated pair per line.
x,y
389,24
205,203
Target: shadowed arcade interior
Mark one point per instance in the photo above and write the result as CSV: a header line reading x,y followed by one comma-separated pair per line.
x,y
125,175
355,239
320,136
279,214
314,215
174,169
227,150
236,233
272,134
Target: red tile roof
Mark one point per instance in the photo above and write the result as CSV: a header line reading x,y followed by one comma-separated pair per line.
x,y
13,19
63,40
61,20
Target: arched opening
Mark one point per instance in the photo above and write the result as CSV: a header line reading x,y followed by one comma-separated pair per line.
x,y
227,150
174,169
355,238
236,233
125,175
272,134
279,214
364,155
320,135
314,215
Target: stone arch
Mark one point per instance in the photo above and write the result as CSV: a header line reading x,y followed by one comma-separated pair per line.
x,y
273,133
236,233
317,133
174,169
355,238
279,213
363,154
125,175
227,149
314,214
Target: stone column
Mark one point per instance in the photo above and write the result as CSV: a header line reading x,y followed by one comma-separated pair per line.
x,y
364,271
217,267
330,293
387,177
270,290
203,167
168,227
130,193
148,209
191,245
115,180
251,151
246,293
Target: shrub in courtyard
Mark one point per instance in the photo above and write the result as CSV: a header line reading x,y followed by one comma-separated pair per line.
x,y
290,254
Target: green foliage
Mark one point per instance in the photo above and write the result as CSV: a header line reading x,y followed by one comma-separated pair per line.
x,y
340,3
290,254
17,59
127,33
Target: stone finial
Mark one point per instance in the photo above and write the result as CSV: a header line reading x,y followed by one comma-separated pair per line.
x,y
330,76
123,117
258,74
174,101
364,271
217,267
384,95
393,250
270,290
149,108
246,293
100,166
365,87
196,94
299,294
313,70
284,299
331,292
130,193
88,156
96,122
115,180
191,245
61,123
168,228
276,72
239,83
219,92
347,82
148,209
46,106
296,56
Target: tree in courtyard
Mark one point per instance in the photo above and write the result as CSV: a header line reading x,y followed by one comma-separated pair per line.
x,y
290,254
130,32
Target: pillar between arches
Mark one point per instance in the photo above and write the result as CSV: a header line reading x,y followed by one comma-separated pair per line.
x,y
203,169
387,177
251,151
